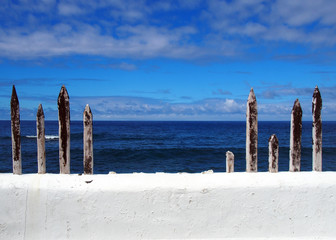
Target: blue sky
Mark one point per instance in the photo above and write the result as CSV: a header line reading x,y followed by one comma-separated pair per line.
x,y
168,60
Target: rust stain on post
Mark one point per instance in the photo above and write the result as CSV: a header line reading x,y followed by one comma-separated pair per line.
x,y
15,129
40,133
273,154
229,162
317,130
295,138
252,133
87,139
64,130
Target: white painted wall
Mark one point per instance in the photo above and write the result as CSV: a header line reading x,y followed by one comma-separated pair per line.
x,y
132,206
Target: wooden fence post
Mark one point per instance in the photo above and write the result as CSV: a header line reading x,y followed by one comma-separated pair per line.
x,y
15,130
295,137
87,141
40,133
317,130
64,130
229,162
251,133
273,154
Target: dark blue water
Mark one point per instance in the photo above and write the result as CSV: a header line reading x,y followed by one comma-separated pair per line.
x,y
126,147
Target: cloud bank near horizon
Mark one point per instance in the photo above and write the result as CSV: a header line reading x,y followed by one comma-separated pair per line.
x,y
145,108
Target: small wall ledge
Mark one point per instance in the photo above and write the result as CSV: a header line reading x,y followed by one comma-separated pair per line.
x,y
151,206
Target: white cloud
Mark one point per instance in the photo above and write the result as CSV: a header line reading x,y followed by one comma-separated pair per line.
x,y
124,66
135,42
69,9
133,29
287,21
302,12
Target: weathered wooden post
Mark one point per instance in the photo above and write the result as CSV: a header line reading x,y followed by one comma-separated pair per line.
x,y
229,162
88,141
273,154
64,130
40,133
252,133
295,137
317,130
15,129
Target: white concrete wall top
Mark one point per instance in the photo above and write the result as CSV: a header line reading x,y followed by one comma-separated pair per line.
x,y
169,206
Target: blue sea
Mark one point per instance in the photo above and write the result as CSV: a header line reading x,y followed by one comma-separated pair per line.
x,y
193,147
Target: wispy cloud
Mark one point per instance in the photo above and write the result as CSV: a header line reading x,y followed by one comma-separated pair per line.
x,y
159,91
44,81
221,92
323,72
26,81
122,66
278,91
283,91
243,72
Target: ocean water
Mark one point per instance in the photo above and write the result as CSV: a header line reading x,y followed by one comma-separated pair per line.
x,y
126,147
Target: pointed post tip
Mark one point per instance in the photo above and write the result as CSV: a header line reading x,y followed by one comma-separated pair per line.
x,y
273,138
63,93
87,108
14,102
296,104
252,91
251,95
40,111
63,89
14,92
317,93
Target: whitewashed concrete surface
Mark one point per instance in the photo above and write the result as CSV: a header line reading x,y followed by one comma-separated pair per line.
x,y
283,205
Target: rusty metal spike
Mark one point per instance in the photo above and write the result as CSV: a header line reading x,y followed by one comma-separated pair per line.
x,y
87,141
15,131
273,154
40,133
295,137
317,130
252,133
229,162
64,130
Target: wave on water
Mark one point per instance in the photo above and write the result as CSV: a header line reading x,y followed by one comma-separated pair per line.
x,y
47,137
